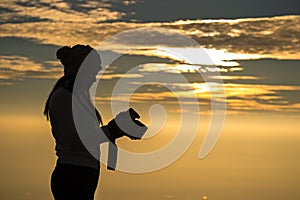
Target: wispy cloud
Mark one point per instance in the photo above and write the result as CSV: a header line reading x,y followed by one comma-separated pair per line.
x,y
239,97
20,67
58,11
62,23
273,37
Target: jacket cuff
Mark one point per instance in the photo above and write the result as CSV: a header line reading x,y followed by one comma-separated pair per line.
x,y
112,156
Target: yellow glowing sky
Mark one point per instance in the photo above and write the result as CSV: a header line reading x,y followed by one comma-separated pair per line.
x,y
257,59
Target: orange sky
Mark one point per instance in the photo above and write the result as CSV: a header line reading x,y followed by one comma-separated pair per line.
x,y
253,60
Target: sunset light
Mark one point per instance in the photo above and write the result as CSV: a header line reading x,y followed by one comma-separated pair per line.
x,y
214,86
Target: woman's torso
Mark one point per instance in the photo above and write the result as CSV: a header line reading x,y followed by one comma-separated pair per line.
x,y
70,148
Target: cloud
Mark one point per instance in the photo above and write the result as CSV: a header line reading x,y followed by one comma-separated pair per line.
x,y
58,11
67,24
50,24
239,97
20,67
116,76
247,97
275,37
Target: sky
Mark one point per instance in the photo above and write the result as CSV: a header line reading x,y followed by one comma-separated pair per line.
x,y
175,59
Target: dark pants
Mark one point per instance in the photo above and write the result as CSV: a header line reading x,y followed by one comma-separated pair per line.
x,y
74,182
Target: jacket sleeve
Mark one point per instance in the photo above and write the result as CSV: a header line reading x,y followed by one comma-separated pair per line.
x,y
112,156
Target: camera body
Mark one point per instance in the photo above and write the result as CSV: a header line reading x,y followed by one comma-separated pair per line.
x,y
127,124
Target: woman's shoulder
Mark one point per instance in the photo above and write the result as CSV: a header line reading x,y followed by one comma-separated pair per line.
x,y
60,96
61,92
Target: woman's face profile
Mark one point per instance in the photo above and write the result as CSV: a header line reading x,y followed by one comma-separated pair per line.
x,y
89,70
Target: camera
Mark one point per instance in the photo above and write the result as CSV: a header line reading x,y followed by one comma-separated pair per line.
x,y
126,123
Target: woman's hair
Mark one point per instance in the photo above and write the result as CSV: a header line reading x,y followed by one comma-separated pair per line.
x,y
71,58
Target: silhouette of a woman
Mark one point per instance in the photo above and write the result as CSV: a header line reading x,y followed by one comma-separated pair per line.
x,y
76,173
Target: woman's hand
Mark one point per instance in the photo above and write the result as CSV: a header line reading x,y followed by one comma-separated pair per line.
x,y
125,124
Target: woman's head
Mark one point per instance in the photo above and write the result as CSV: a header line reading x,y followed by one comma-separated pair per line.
x,y
72,58
81,58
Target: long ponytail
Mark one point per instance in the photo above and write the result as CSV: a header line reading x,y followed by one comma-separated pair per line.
x,y
60,83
